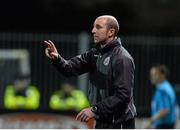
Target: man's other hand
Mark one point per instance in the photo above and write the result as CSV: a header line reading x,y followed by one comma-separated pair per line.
x,y
85,115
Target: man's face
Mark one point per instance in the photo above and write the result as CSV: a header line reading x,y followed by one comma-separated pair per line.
x,y
100,31
154,76
21,84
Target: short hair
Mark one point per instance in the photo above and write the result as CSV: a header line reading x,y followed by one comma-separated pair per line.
x,y
162,69
111,23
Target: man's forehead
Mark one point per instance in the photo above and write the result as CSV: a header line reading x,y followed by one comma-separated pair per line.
x,y
154,70
100,21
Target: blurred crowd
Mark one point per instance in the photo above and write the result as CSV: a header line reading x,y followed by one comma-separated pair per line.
x,y
23,96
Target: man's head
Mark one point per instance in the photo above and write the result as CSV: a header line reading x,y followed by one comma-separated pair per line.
x,y
22,82
158,74
67,88
105,29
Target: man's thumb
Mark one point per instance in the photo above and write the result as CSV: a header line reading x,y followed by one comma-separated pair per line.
x,y
55,55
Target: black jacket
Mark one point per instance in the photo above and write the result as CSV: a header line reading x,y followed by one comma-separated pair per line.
x,y
111,79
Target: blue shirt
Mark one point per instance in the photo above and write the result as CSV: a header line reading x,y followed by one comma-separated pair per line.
x,y
164,98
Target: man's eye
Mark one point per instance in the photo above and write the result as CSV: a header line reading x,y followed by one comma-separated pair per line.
x,y
98,27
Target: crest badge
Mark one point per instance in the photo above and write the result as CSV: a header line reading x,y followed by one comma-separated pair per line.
x,y
106,61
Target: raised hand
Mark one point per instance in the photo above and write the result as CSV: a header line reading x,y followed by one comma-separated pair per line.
x,y
51,51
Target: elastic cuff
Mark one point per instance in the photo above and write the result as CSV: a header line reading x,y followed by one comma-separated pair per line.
x,y
56,60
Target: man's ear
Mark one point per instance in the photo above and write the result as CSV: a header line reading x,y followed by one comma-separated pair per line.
x,y
111,32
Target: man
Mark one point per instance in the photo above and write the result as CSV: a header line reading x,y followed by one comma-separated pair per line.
x,y
68,99
111,71
164,99
21,95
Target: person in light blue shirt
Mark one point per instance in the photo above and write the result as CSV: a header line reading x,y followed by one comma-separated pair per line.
x,y
163,103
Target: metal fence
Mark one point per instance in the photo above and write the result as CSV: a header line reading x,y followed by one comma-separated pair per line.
x,y
146,51
43,74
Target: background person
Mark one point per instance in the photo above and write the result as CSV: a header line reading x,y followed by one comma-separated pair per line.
x,y
163,101
68,99
21,95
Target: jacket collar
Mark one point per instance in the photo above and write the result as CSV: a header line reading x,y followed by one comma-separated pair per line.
x,y
109,46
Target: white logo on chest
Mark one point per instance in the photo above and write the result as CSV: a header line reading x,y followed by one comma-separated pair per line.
x,y
106,61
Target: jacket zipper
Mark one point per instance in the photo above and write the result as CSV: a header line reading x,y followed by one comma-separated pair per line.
x,y
113,121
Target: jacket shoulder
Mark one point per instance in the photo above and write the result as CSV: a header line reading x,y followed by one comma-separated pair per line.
x,y
120,54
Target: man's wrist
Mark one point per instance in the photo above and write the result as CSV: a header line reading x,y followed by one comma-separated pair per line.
x,y
57,59
95,110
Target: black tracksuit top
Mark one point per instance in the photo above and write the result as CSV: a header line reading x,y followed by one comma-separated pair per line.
x,y
111,83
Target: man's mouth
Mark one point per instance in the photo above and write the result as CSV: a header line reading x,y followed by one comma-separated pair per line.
x,y
95,36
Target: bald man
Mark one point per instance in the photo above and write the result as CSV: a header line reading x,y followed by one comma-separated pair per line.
x,y
111,70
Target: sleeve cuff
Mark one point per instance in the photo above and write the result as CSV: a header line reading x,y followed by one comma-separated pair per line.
x,y
56,60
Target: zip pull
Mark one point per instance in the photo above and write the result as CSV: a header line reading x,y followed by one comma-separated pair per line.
x,y
113,121
100,55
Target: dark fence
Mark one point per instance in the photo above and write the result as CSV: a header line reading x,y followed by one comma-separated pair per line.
x,y
146,52
43,74
149,51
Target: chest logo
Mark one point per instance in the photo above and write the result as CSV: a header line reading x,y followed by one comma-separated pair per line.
x,y
106,61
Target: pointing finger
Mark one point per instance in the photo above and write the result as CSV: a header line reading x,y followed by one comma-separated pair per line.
x,y
48,44
52,44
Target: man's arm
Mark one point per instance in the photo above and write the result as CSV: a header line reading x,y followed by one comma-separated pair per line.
x,y
164,104
73,67
159,115
156,117
76,65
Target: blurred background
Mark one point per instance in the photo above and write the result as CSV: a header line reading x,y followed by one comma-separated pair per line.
x,y
149,30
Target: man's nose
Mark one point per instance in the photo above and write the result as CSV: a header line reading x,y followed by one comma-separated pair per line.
x,y
93,30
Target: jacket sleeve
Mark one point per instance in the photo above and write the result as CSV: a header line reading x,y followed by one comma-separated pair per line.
x,y
32,100
123,80
75,66
10,98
